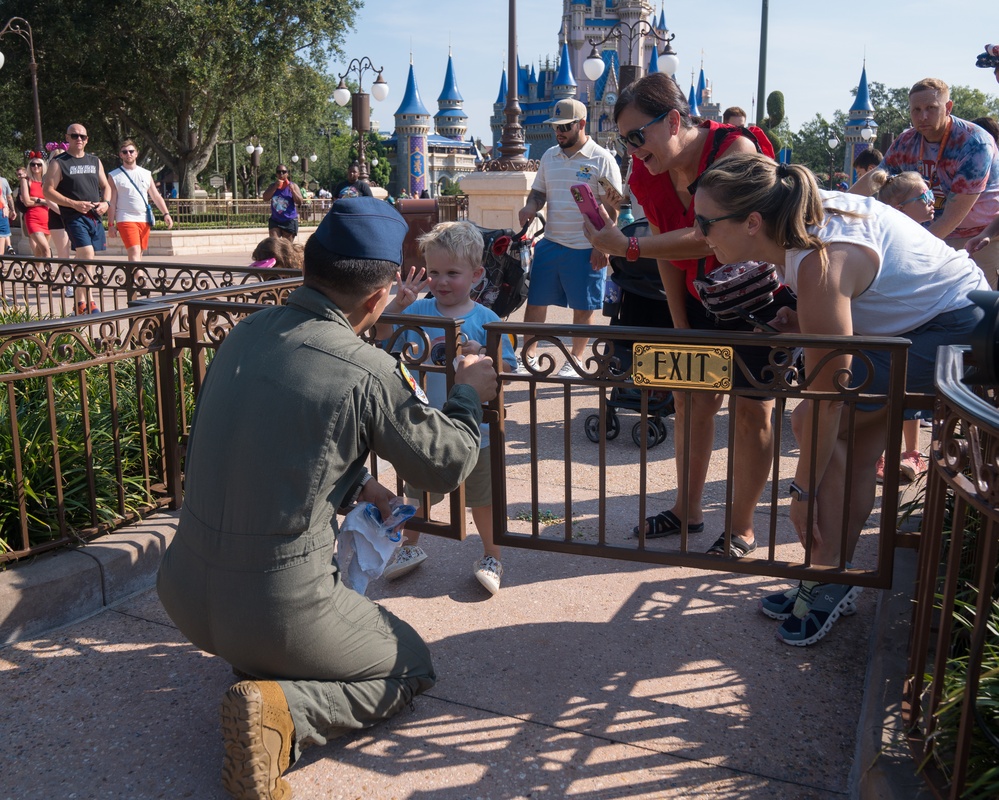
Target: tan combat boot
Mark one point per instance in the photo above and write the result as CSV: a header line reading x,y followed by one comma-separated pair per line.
x,y
257,732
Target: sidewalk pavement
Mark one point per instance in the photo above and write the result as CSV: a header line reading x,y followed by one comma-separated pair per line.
x,y
582,678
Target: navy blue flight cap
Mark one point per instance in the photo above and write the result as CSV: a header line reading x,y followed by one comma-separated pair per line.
x,y
363,227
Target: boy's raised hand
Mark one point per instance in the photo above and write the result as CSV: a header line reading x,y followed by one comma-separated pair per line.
x,y
409,289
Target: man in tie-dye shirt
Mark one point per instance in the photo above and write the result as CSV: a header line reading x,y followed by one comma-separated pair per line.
x,y
959,162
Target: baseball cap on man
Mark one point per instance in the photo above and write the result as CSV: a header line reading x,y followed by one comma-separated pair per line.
x,y
567,110
363,228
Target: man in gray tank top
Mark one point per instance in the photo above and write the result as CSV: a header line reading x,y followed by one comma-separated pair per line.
x,y
76,182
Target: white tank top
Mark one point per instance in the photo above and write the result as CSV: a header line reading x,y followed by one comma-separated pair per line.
x,y
918,277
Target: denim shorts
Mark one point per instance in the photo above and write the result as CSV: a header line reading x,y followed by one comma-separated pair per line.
x,y
561,276
4,226
950,327
84,231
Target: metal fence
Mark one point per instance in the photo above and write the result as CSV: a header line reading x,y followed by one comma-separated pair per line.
x,y
88,427
49,287
952,694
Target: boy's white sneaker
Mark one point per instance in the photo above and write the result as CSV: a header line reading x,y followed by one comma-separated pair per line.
x,y
409,557
525,365
489,572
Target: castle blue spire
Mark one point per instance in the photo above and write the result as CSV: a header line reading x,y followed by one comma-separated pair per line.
x,y
863,101
411,102
662,21
701,84
654,61
450,119
450,93
692,101
564,76
501,97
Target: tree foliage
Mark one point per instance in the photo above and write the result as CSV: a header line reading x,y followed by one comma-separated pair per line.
x,y
171,72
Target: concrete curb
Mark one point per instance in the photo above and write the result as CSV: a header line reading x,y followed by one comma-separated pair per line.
x,y
64,587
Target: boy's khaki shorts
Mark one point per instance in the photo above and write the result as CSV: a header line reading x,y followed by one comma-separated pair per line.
x,y
478,485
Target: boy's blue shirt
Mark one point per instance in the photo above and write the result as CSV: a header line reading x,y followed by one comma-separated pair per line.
x,y
472,328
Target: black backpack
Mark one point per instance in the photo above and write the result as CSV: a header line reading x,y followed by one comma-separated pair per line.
x,y
507,261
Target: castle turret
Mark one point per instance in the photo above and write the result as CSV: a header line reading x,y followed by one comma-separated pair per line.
x,y
564,84
861,124
451,120
412,125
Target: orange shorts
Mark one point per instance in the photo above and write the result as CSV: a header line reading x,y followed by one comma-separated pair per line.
x,y
134,233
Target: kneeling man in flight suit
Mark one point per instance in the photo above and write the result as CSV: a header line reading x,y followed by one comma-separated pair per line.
x,y
293,405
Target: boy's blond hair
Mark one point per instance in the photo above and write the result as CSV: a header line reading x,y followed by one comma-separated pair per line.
x,y
461,240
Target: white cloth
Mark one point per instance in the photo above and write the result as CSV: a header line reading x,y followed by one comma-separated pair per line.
x,y
556,173
919,276
131,204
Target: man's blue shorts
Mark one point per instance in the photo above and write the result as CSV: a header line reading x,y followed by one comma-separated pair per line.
x,y
4,226
951,327
86,231
561,276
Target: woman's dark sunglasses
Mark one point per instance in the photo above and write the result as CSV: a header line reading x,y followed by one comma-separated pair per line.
x,y
636,138
282,172
705,224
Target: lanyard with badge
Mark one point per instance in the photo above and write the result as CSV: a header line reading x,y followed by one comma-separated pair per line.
x,y
939,197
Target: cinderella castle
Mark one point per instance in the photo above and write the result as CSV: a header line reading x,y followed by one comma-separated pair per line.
x,y
428,153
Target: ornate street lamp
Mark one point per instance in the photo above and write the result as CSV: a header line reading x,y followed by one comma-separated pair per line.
x,y
360,107
833,143
20,27
254,151
669,62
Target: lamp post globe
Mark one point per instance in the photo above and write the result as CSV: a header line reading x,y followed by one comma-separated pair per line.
x,y
593,67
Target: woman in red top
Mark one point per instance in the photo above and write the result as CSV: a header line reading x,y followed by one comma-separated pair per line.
x,y
669,151
36,218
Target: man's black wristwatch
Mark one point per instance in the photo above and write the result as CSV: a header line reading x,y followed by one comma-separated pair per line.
x,y
797,493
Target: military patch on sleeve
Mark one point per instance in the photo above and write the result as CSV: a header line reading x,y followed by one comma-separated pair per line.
x,y
408,377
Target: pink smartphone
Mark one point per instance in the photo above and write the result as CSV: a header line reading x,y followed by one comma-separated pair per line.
x,y
583,195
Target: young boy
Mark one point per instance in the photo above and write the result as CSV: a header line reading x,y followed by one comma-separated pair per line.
x,y
453,253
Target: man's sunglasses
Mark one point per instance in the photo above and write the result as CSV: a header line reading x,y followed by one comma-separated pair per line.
x,y
926,197
705,224
636,138
81,136
282,172
128,152
564,127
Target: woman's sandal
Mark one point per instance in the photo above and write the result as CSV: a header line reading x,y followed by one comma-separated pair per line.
x,y
740,547
666,523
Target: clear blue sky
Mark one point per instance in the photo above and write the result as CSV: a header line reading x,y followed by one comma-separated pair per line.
x,y
815,49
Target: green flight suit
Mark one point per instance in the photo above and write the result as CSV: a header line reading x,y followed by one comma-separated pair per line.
x,y
292,406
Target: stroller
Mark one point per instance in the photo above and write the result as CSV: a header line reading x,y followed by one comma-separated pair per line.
x,y
641,302
507,262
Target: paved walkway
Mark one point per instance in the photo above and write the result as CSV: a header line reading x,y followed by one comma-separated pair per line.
x,y
582,678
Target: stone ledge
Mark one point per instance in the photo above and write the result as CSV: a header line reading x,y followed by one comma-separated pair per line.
x,y
57,589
